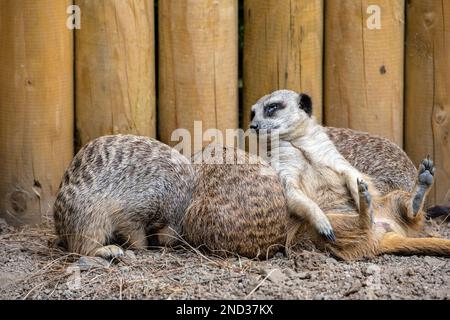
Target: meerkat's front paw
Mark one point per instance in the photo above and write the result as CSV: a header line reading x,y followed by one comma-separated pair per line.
x,y
323,227
426,172
109,252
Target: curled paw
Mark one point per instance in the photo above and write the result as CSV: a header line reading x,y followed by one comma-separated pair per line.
x,y
363,189
362,186
326,230
109,252
426,171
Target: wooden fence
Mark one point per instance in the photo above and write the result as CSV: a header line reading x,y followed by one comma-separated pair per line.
x,y
131,69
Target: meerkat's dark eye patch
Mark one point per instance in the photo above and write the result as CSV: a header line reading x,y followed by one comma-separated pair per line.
x,y
270,109
305,103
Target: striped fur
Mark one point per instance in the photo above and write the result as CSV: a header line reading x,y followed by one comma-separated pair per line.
x,y
121,189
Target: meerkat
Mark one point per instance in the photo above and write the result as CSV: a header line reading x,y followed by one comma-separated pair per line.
x,y
309,165
324,192
122,189
237,205
388,166
385,162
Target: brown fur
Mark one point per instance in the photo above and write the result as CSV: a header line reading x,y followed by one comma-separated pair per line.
x,y
324,191
122,189
385,162
395,229
236,208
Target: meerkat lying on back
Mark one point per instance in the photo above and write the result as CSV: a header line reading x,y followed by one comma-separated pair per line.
x,y
309,165
324,191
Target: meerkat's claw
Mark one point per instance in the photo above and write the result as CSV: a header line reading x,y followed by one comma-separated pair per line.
x,y
327,232
362,185
109,252
330,236
323,226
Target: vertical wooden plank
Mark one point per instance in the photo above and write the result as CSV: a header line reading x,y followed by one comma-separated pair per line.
x,y
283,44
115,71
36,106
428,89
198,74
364,67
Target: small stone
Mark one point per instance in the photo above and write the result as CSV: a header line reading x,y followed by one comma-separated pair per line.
x,y
7,278
444,294
86,263
372,269
304,275
410,272
290,273
356,286
435,262
279,255
370,295
275,275
129,254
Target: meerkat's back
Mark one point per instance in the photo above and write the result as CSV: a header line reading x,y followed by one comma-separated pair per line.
x,y
385,162
123,188
238,207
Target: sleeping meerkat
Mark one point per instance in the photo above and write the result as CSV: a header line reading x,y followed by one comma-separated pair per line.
x,y
324,191
122,189
237,205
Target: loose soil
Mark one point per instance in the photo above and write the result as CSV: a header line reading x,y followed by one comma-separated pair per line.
x,y
31,268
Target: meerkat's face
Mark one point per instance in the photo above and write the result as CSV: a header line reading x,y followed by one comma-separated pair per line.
x,y
280,111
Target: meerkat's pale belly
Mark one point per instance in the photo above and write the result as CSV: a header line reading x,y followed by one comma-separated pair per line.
x,y
328,189
320,183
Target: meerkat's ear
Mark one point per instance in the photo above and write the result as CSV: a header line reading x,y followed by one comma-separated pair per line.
x,y
305,103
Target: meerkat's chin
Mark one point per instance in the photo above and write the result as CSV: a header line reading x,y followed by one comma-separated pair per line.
x,y
266,132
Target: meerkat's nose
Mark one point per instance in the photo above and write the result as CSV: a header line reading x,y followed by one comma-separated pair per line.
x,y
254,127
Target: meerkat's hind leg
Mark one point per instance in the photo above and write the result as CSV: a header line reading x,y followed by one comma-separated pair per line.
x,y
304,208
424,182
352,178
137,239
365,204
291,231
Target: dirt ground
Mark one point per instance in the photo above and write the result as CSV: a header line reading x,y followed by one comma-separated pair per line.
x,y
31,269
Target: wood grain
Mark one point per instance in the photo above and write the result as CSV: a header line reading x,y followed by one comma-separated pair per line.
x,y
36,106
115,69
428,89
283,49
198,65
364,67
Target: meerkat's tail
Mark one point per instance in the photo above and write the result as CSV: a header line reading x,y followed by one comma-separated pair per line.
x,y
393,243
437,211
